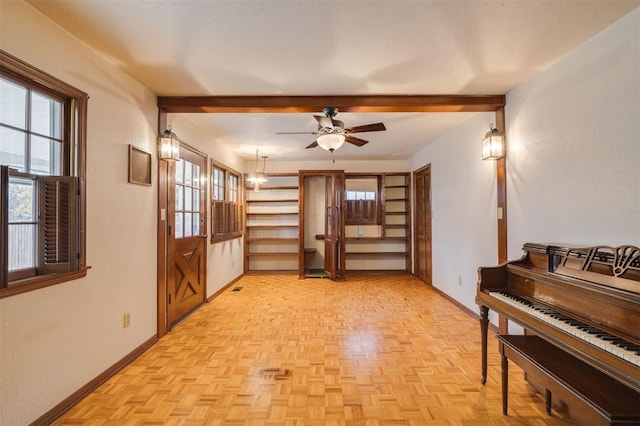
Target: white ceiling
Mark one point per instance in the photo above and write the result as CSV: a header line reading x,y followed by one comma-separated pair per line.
x,y
332,47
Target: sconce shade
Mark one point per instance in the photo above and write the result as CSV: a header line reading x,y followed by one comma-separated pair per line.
x,y
492,145
169,146
331,141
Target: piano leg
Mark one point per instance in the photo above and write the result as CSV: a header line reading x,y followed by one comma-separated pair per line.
x,y
504,364
484,326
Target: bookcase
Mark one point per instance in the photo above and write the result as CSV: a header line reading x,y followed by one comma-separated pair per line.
x,y
271,225
387,245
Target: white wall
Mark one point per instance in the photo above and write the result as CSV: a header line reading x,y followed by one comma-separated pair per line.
x,y
463,197
55,340
573,166
573,163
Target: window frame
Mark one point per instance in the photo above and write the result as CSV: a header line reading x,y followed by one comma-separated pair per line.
x,y
73,164
228,211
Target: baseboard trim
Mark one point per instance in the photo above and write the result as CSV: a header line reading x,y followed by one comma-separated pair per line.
x,y
219,292
66,404
463,308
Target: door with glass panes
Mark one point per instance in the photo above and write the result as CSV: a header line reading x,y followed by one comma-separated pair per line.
x,y
187,239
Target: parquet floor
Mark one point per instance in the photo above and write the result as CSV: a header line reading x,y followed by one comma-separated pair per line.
x,y
376,350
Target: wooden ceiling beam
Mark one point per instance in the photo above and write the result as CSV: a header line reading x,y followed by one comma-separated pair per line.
x,y
346,103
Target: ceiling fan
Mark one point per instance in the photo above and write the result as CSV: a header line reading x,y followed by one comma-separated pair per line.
x,y
332,133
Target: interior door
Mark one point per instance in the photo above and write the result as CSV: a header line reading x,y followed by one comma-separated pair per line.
x,y
422,214
187,239
333,242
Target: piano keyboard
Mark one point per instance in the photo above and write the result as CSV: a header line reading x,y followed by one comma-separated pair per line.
x,y
610,343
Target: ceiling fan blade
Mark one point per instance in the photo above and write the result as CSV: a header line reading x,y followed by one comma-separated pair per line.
x,y
355,141
296,133
376,127
325,122
313,145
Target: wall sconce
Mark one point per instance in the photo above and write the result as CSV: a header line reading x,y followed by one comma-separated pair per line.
x,y
257,178
169,146
492,145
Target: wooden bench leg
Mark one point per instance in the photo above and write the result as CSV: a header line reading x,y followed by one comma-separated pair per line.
x,y
505,383
547,400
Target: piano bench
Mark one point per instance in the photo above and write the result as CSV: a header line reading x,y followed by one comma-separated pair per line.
x,y
607,400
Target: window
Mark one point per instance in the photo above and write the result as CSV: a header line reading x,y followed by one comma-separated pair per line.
x,y
361,200
187,208
42,145
226,207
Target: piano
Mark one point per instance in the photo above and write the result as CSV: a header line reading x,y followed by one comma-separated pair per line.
x,y
583,300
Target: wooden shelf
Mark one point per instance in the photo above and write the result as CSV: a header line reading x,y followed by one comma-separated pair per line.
x,y
285,200
292,225
267,188
396,213
271,213
396,226
274,254
369,239
377,254
396,199
396,186
272,240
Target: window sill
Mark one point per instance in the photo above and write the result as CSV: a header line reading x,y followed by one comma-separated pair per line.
x,y
34,283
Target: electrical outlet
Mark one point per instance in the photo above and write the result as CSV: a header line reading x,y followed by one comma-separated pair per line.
x,y
459,280
126,320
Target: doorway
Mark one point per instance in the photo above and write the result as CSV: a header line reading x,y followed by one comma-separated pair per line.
x,y
182,251
321,239
422,215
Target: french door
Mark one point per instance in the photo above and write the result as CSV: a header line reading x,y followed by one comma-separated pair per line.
x,y
186,239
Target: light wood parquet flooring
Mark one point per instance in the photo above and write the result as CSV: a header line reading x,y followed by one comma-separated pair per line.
x,y
379,350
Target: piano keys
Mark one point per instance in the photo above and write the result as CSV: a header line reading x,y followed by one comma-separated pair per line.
x,y
585,301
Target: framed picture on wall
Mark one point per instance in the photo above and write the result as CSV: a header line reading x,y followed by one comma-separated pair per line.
x,y
139,166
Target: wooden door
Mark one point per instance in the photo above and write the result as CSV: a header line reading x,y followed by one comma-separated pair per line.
x,y
331,220
186,239
422,214
334,244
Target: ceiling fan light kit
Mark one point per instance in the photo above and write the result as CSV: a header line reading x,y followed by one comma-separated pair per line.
x,y
332,133
331,141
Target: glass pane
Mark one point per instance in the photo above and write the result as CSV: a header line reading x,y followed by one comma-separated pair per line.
x,y
187,199
179,226
21,200
180,171
196,176
12,149
196,200
187,225
179,198
45,156
13,104
188,172
371,195
22,241
46,116
350,195
196,224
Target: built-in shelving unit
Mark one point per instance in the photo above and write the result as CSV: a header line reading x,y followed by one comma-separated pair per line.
x,y
387,246
271,224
